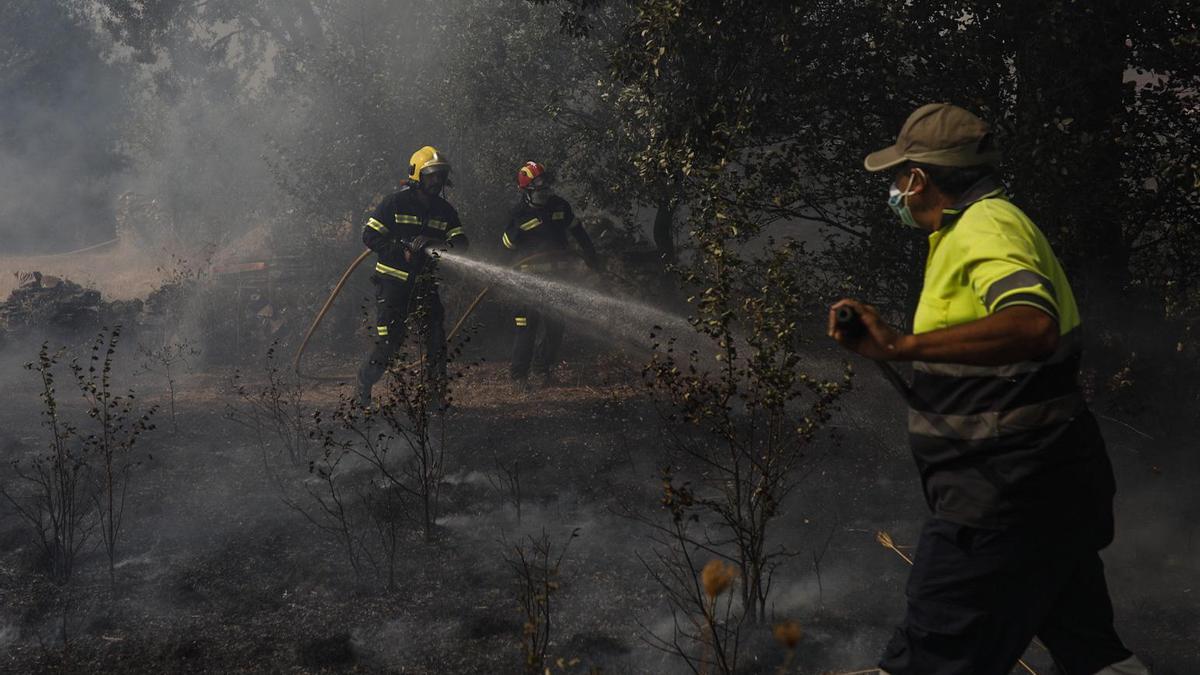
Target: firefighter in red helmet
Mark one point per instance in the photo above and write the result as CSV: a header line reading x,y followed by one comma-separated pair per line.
x,y
541,222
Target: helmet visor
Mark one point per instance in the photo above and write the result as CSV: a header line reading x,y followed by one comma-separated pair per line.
x,y
434,178
541,182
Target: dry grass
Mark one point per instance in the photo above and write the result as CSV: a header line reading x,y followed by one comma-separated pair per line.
x,y
717,577
885,540
488,388
788,633
483,389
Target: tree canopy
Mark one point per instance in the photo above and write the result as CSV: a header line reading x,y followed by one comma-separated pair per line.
x,y
726,121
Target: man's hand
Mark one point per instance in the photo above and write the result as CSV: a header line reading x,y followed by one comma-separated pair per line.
x,y
420,243
1011,335
397,247
878,341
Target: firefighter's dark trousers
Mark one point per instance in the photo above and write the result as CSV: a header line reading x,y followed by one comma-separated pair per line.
x,y
527,321
394,302
976,598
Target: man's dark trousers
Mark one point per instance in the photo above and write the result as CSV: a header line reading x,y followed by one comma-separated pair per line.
x,y
528,319
393,303
977,597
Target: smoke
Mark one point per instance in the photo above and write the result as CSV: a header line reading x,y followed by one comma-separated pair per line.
x,y
59,126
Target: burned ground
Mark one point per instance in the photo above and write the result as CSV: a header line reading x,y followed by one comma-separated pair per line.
x,y
218,575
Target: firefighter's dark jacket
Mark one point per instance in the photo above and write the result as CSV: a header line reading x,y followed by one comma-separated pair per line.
x,y
401,216
540,229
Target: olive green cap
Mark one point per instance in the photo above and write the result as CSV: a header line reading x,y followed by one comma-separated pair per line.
x,y
940,134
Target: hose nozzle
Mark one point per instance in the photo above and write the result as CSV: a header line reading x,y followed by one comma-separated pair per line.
x,y
422,244
849,322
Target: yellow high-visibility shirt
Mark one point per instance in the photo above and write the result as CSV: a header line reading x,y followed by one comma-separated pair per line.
x,y
995,444
991,257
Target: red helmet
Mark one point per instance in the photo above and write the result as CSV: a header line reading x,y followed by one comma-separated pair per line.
x,y
529,172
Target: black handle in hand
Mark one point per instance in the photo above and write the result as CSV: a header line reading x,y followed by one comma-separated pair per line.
x,y
849,322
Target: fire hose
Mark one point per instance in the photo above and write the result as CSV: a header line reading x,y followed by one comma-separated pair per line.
x,y
337,289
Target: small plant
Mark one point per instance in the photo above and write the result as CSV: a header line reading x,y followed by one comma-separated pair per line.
x,y
275,410
787,634
506,481
737,423
536,564
706,632
118,428
356,491
51,490
742,426
379,468
166,361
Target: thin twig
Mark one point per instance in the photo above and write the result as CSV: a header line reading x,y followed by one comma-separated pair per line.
x,y
885,540
1128,426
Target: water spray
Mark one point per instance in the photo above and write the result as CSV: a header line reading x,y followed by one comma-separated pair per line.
x,y
581,303
624,318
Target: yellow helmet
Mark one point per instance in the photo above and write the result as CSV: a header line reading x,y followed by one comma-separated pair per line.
x,y
425,161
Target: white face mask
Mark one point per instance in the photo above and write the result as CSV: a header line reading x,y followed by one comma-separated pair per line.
x,y
898,201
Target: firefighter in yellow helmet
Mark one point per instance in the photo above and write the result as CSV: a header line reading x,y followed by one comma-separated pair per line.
x,y
402,230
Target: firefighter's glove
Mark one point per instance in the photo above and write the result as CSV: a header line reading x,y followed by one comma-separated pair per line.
x,y
422,246
420,243
397,247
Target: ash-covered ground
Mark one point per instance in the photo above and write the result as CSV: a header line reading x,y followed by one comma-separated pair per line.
x,y
217,574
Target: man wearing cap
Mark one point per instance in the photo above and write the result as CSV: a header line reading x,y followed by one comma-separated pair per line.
x,y
1011,461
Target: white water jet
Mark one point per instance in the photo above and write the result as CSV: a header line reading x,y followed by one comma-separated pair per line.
x,y
628,319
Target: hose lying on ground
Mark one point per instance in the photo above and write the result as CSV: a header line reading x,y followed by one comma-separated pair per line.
x,y
449,336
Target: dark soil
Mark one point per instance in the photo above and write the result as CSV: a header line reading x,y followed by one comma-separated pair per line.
x,y
216,574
